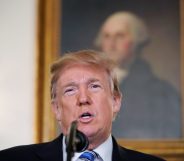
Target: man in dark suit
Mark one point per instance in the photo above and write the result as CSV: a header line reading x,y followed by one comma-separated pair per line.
x,y
84,88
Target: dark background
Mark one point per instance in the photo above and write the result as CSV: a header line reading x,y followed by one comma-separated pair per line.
x,y
81,19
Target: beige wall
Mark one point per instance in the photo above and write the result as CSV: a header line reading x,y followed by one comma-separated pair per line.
x,y
17,71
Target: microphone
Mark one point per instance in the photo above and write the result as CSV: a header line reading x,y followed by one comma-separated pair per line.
x,y
81,141
76,141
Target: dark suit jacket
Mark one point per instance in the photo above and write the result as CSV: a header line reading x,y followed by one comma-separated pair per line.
x,y
52,151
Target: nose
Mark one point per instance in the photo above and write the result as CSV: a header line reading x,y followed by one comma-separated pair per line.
x,y
83,97
111,42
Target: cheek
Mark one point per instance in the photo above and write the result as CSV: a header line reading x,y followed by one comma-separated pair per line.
x,y
126,45
68,115
105,46
105,108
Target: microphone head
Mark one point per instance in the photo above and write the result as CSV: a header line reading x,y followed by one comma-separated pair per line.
x,y
82,141
76,141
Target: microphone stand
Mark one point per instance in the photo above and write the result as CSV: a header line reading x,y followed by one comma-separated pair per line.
x,y
76,141
71,148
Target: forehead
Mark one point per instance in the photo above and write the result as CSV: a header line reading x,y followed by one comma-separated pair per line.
x,y
82,72
116,25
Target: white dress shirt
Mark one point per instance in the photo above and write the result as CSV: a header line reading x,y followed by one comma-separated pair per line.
x,y
104,150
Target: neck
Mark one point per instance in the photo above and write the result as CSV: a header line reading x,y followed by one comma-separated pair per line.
x,y
94,142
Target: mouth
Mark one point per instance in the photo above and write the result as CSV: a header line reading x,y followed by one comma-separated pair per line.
x,y
86,117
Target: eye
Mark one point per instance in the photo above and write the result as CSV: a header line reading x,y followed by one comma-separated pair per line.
x,y
105,36
70,91
95,87
120,36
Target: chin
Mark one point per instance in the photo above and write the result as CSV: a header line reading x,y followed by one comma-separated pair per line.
x,y
89,132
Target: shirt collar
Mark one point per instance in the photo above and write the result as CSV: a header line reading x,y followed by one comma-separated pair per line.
x,y
104,150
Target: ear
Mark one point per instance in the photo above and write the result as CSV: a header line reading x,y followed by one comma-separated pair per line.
x,y
56,109
116,104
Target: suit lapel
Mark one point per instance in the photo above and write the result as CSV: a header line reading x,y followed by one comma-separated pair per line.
x,y
118,154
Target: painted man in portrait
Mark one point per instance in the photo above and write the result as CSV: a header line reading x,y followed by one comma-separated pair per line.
x,y
151,106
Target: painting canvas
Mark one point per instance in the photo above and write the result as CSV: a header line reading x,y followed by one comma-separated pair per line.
x,y
151,106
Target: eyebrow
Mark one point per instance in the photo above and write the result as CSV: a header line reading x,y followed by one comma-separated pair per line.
x,y
69,84
91,80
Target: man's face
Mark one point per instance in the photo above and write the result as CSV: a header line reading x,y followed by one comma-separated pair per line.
x,y
116,40
84,94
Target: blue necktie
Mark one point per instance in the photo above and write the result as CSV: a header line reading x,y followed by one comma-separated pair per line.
x,y
88,156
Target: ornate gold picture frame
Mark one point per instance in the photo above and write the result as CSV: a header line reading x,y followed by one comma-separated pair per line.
x,y
48,49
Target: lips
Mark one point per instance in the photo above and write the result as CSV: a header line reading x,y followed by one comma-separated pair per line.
x,y
86,117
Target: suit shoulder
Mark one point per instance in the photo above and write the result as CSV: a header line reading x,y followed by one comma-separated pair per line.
x,y
138,156
33,152
23,148
20,153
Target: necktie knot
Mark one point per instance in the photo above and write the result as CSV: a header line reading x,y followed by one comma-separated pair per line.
x,y
88,156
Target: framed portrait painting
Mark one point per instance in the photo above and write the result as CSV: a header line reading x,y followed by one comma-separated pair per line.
x,y
151,116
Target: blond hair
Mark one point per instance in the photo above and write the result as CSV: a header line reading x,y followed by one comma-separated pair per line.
x,y
87,57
